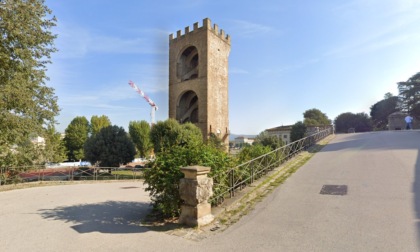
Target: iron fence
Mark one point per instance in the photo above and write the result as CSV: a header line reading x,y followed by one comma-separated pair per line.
x,y
10,175
227,184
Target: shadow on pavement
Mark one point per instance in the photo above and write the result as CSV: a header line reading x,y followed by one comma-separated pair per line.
x,y
107,217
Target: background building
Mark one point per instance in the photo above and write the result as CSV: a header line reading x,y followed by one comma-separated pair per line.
x,y
240,141
282,132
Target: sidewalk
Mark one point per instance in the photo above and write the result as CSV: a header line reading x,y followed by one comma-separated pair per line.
x,y
379,212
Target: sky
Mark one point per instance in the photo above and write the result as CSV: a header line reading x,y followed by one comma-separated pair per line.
x,y
286,56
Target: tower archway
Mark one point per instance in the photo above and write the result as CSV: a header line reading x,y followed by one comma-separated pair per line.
x,y
188,107
188,64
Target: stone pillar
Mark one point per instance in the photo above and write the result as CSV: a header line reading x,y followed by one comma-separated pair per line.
x,y
195,189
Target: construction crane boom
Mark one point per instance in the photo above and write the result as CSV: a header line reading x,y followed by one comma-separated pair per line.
x,y
151,103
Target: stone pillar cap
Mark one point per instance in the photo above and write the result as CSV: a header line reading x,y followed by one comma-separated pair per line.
x,y
192,172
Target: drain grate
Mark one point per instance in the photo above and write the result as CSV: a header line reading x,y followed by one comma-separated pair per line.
x,y
129,187
334,189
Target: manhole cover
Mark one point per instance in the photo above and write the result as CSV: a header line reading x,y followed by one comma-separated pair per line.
x,y
129,187
334,189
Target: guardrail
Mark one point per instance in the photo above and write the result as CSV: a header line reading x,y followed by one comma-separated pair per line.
x,y
10,175
225,185
238,177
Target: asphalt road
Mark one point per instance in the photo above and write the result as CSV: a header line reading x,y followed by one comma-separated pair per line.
x,y
379,212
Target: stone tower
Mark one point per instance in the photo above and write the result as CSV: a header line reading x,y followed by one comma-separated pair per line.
x,y
198,79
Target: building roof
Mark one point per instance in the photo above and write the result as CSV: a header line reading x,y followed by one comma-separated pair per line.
x,y
281,128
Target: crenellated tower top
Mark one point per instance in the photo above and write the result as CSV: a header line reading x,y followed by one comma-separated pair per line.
x,y
206,25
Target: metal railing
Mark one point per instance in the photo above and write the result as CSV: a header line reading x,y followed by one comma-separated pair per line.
x,y
11,175
225,185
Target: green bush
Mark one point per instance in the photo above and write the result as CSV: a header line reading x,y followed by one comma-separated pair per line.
x,y
249,153
163,178
252,151
179,146
166,134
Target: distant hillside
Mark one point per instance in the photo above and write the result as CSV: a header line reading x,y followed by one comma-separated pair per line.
x,y
233,136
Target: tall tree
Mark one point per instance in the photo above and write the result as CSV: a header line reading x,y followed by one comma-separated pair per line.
x,y
315,118
298,131
98,122
409,94
76,135
380,111
343,122
388,95
140,134
26,43
110,147
54,148
360,122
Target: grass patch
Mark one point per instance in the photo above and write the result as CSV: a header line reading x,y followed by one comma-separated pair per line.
x,y
128,173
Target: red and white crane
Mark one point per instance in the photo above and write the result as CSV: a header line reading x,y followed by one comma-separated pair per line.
x,y
151,103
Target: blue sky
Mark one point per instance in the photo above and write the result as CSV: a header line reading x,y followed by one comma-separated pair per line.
x,y
286,56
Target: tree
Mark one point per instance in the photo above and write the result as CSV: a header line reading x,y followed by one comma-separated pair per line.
x,y
266,139
54,149
76,135
343,122
409,94
140,134
165,134
363,123
98,122
169,133
360,122
388,95
298,131
27,105
190,135
315,118
29,153
380,111
110,147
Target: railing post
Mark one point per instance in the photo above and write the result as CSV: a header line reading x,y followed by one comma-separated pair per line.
x,y
195,189
252,174
231,183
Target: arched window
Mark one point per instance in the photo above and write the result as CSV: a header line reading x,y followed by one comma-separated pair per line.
x,y
188,64
188,108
